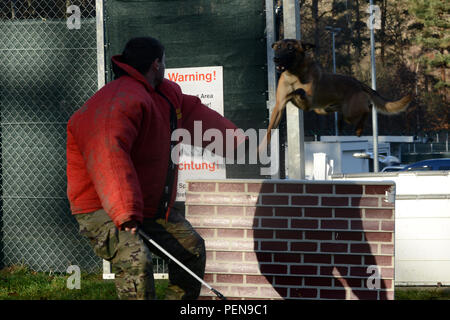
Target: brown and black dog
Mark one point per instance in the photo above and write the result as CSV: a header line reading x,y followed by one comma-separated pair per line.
x,y
303,82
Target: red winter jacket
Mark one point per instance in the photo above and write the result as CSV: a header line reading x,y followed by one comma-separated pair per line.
x,y
118,145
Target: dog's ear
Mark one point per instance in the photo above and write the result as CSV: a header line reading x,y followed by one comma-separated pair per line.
x,y
307,46
273,45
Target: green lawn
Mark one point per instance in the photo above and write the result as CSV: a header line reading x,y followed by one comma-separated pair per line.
x,y
21,283
427,293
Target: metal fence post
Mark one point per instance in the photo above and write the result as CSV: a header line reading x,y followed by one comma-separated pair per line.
x,y
294,116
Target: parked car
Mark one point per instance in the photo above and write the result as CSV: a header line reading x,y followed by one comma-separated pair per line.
x,y
392,168
428,165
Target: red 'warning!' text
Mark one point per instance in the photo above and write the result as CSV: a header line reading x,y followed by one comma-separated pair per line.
x,y
191,77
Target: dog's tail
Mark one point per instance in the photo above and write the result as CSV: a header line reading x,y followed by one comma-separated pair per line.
x,y
385,106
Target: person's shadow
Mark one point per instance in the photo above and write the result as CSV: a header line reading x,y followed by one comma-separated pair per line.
x,y
308,251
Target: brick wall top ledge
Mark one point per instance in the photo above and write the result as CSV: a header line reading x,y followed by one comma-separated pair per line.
x,y
279,181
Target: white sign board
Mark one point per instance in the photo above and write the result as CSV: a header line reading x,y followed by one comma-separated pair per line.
x,y
207,84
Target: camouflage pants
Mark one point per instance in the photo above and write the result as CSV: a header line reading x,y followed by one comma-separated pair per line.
x,y
131,258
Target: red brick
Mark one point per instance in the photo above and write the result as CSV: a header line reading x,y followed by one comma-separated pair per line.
x,y
328,271
319,212
260,187
274,223
231,187
347,213
387,295
289,188
377,189
275,200
242,244
201,186
230,210
288,280
360,272
244,268
259,279
209,277
318,235
244,222
206,233
378,236
216,222
259,211
385,204
260,234
274,245
229,256
333,247
366,294
302,293
378,260
387,225
334,224
318,282
386,284
319,188
387,273
287,257
289,234
365,225
349,189
307,270
387,249
243,291
363,248
317,258
258,256
230,233
347,259
280,291
349,236
304,246
214,267
332,294
200,210
273,268
348,282
229,278
305,200
192,198
378,214
304,224
335,201
365,202
288,212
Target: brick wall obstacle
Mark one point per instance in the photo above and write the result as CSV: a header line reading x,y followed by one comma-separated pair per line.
x,y
287,239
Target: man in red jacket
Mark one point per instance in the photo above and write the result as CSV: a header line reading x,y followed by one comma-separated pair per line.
x,y
121,176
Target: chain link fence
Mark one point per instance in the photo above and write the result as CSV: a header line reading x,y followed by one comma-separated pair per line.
x,y
47,71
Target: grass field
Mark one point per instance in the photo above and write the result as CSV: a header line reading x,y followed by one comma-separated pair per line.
x,y
19,282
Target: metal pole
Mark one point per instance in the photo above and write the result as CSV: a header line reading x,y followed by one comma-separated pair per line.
x,y
146,237
374,87
294,116
333,41
336,133
271,75
101,80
